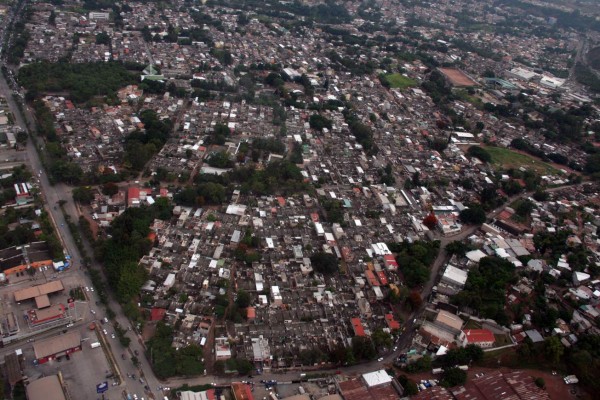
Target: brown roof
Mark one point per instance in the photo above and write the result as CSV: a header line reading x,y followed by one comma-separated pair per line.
x,y
42,301
13,368
434,393
35,291
56,344
47,388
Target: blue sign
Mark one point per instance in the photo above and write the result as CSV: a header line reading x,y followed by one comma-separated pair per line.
x,y
102,387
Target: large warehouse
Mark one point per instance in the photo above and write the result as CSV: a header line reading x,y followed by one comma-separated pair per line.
x,y
57,346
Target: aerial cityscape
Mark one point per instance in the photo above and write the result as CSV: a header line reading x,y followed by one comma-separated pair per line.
x,y
299,199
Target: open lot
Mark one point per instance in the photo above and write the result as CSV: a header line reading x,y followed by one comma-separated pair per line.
x,y
511,159
81,373
399,81
457,77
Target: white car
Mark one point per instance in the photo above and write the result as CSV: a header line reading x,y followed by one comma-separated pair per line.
x,y
112,335
105,332
93,312
380,359
87,289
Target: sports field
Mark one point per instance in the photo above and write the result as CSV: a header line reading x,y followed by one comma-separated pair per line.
x,y
511,159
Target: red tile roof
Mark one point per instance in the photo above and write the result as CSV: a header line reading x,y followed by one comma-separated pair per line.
x,y
479,336
382,278
157,314
357,326
371,277
391,322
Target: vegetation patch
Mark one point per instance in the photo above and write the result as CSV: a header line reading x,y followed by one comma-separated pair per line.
x,y
510,159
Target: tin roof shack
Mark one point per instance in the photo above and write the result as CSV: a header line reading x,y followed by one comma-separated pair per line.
x,y
376,385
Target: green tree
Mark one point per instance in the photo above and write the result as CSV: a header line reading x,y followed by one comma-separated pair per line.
x,y
473,215
420,365
22,137
324,263
363,348
540,382
457,247
83,195
110,189
553,349
410,387
103,38
243,299
524,208
318,122
480,153
453,377
381,339
244,366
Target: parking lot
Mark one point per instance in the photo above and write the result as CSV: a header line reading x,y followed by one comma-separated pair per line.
x,y
10,158
81,373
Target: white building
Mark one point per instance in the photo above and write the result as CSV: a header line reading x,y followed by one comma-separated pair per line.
x,y
454,276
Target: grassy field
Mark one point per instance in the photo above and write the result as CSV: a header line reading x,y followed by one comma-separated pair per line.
x,y
510,159
399,81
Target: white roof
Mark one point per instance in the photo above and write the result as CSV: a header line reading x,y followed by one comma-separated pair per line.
x,y
456,275
236,209
376,378
170,280
475,255
581,276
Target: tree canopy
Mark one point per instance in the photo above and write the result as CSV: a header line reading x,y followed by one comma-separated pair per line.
x,y
474,214
480,153
82,80
415,259
168,362
485,289
325,263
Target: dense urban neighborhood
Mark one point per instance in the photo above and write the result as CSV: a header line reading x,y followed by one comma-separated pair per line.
x,y
303,200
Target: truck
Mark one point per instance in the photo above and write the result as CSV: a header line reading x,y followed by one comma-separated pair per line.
x,y
94,345
571,379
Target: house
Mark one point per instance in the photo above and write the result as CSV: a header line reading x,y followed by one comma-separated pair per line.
x,y
222,349
357,326
454,276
